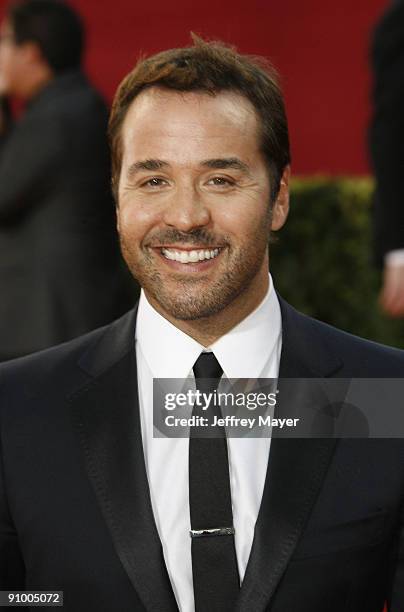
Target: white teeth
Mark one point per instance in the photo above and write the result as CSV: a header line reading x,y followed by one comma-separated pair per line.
x,y
193,256
189,256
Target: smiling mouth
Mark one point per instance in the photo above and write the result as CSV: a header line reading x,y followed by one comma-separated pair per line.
x,y
186,256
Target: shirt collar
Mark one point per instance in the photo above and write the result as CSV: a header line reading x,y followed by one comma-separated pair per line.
x,y
242,352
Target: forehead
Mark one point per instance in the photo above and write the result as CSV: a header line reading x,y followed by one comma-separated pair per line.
x,y
191,123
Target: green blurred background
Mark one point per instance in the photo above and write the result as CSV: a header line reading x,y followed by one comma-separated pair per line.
x,y
321,261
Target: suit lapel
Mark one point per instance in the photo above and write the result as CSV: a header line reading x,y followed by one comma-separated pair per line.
x,y
106,418
296,470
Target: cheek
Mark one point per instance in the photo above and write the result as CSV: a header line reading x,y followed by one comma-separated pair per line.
x,y
135,221
243,223
10,70
5,62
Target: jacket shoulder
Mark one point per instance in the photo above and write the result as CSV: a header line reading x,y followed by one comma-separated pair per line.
x,y
65,367
361,357
326,350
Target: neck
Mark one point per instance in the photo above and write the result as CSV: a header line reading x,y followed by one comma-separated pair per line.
x,y
209,329
37,81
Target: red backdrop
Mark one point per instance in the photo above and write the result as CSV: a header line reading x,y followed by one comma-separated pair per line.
x,y
320,48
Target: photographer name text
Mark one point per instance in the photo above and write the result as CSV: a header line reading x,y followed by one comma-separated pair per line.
x,y
229,421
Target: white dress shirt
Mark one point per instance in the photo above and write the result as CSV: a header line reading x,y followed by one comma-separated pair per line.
x,y
250,350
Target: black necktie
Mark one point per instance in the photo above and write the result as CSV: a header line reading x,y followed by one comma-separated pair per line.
x,y
214,562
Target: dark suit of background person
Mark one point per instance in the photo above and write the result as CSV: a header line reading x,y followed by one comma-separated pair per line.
x,y
386,140
60,268
329,534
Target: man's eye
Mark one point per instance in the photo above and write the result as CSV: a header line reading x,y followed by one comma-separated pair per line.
x,y
221,181
154,182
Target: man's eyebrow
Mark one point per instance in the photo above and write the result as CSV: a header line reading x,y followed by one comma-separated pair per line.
x,y
222,163
217,163
146,164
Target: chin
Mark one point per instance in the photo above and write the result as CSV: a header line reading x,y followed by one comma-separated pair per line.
x,y
191,308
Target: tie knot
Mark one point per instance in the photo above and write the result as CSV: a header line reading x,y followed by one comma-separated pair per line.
x,y
207,366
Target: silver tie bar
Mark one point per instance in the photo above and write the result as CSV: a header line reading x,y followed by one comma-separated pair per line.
x,y
218,531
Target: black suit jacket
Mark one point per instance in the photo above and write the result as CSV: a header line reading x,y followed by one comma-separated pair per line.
x,y
60,269
386,137
75,509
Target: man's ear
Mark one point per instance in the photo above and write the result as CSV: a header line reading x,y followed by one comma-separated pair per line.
x,y
280,207
118,221
115,195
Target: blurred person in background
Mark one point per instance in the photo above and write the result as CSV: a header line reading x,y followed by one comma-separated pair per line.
x,y
387,154
60,269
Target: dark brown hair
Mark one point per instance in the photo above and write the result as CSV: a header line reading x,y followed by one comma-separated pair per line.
x,y
210,67
54,26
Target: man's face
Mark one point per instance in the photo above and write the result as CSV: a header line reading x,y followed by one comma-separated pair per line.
x,y
194,201
12,60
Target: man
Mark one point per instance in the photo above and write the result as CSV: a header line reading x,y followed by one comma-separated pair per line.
x,y
60,268
94,505
387,154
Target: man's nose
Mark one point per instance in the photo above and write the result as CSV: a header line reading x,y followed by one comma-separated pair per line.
x,y
186,209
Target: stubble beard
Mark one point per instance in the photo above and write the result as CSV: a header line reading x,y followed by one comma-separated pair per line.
x,y
189,299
